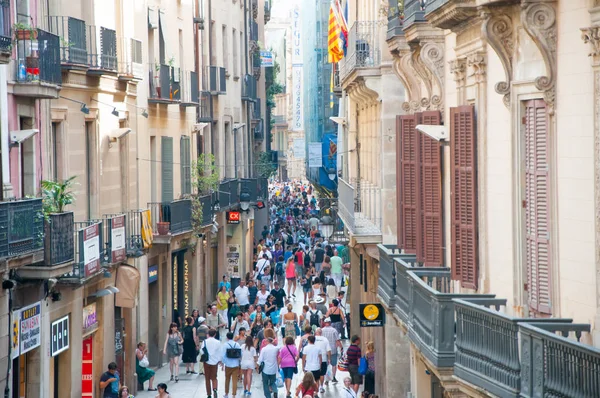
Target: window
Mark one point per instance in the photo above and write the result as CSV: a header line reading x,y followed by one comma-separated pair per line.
x,y
235,53
463,196
225,47
91,159
23,15
537,210
166,152
28,163
185,157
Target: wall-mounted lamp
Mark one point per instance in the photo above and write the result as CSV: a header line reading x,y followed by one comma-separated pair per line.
x,y
115,112
145,114
85,109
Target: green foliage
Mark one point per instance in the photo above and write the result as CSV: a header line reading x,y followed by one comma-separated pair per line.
x,y
265,167
205,179
57,195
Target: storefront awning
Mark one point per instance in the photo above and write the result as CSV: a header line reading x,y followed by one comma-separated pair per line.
x,y
128,282
18,136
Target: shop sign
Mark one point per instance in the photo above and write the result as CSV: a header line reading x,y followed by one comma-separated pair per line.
x,y
60,336
266,59
315,154
372,315
90,319
233,261
87,368
186,289
26,329
152,273
117,239
233,217
91,249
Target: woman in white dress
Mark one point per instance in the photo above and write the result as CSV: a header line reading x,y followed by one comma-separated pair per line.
x,y
248,363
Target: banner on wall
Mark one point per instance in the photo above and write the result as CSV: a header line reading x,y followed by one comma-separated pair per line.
x,y
26,329
299,148
233,261
315,154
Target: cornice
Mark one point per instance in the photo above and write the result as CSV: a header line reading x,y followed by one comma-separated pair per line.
x,y
453,14
360,92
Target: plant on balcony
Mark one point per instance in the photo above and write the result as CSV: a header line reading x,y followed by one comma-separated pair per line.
x,y
57,195
265,167
205,179
24,31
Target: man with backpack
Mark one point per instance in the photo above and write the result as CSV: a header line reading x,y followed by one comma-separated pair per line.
x,y
314,315
232,354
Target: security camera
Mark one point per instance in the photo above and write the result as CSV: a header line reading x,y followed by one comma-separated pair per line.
x,y
214,229
51,283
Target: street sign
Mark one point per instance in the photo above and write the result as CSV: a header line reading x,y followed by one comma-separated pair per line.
x,y
372,315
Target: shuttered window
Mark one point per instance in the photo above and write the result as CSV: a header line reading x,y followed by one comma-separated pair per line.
x,y
184,154
407,189
166,153
537,225
464,196
430,227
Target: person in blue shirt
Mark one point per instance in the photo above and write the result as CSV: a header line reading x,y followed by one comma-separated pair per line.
x,y
225,282
231,365
110,381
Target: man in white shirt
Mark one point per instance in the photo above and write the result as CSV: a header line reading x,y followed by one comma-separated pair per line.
x,y
311,358
261,266
325,349
268,356
213,346
242,295
238,324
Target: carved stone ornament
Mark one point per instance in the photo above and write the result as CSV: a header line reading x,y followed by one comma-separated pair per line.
x,y
498,31
406,73
432,54
539,20
458,68
477,64
591,36
362,94
422,73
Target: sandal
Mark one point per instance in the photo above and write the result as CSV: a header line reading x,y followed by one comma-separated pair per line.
x,y
152,389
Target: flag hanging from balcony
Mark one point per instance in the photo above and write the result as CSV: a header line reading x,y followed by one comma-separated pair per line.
x,y
335,45
331,86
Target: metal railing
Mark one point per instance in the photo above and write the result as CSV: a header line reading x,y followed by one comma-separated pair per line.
x,y
102,48
21,227
346,202
38,57
59,244
189,88
135,246
73,39
413,12
164,83
432,5
267,11
257,115
204,113
177,213
249,88
89,251
367,202
205,203
259,131
129,58
5,36
363,48
214,80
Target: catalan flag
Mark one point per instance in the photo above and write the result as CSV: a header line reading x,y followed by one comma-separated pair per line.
x,y
335,45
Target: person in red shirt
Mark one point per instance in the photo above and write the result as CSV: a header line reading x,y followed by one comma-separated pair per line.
x,y
353,354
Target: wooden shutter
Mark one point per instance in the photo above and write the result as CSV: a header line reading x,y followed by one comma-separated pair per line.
x,y
408,152
464,196
430,226
184,154
537,225
166,153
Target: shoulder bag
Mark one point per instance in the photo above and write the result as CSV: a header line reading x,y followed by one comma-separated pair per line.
x,y
204,357
295,361
233,352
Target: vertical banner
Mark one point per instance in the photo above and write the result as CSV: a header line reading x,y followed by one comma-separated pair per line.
x,y
299,148
297,71
233,261
146,229
315,154
117,239
91,249
87,368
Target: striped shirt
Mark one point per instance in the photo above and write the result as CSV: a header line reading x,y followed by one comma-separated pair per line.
x,y
353,354
332,336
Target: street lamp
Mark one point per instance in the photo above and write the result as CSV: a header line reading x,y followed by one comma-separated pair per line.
x,y
326,226
245,200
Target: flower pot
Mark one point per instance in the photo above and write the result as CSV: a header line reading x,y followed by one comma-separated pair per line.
x,y
26,34
158,92
163,228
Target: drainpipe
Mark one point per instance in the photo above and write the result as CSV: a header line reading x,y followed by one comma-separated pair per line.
x,y
250,146
210,51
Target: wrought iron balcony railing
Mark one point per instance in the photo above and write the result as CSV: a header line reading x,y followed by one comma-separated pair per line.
x,y
38,57
73,40
204,107
363,48
414,12
190,91
129,56
267,11
164,84
102,49
214,80
89,252
178,215
21,227
5,36
59,244
133,233
249,88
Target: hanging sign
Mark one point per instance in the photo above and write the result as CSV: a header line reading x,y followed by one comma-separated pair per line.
x,y
372,315
233,217
299,148
26,329
91,249
87,368
315,154
117,239
90,319
266,59
59,331
233,261
152,273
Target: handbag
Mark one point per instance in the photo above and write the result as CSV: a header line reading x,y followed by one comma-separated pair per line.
x,y
363,366
204,356
144,363
295,362
261,366
233,353
343,363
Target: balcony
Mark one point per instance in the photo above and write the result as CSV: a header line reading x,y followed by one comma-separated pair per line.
x,y
257,114
359,208
395,20
170,219
256,65
337,84
102,50
204,107
267,11
89,252
447,14
214,80
262,188
190,90
21,232
254,7
73,41
5,36
249,88
133,233
259,131
414,12
363,48
129,59
253,39
37,68
164,84
115,235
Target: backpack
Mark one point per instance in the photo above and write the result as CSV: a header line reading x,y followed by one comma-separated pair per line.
x,y
314,318
279,269
290,240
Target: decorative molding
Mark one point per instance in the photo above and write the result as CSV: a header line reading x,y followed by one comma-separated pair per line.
x,y
363,95
406,73
432,55
597,172
498,31
477,66
421,71
458,68
539,20
591,36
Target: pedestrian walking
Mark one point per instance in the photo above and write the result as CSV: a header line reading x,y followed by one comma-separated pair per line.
x,y
325,349
124,392
353,354
223,300
173,348
232,354
336,315
279,295
238,324
216,321
268,362
162,391
333,336
288,362
242,295
213,348
190,346
290,276
308,387
201,334
290,323
312,358
248,363
348,391
110,381
336,269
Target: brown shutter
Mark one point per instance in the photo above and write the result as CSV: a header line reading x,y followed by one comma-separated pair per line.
x,y
536,206
399,181
464,196
430,226
408,150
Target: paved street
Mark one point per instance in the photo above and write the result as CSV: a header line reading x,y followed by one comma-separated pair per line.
x,y
192,386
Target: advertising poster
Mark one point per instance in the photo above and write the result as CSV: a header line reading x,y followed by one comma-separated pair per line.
x,y
117,239
315,154
91,249
233,261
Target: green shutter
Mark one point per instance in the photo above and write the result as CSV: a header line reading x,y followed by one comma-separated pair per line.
x,y
184,148
167,169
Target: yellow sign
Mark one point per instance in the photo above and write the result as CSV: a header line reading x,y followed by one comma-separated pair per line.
x,y
146,229
371,312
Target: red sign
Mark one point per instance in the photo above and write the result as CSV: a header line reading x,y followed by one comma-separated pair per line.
x,y
233,217
87,374
117,239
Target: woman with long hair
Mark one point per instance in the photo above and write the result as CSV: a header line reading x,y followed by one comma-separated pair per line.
x,y
290,323
287,359
257,325
222,301
336,315
248,363
172,349
124,392
316,287
269,333
370,375
290,275
308,387
162,391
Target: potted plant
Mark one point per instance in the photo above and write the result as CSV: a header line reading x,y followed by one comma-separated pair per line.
x,y
24,32
59,224
163,227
